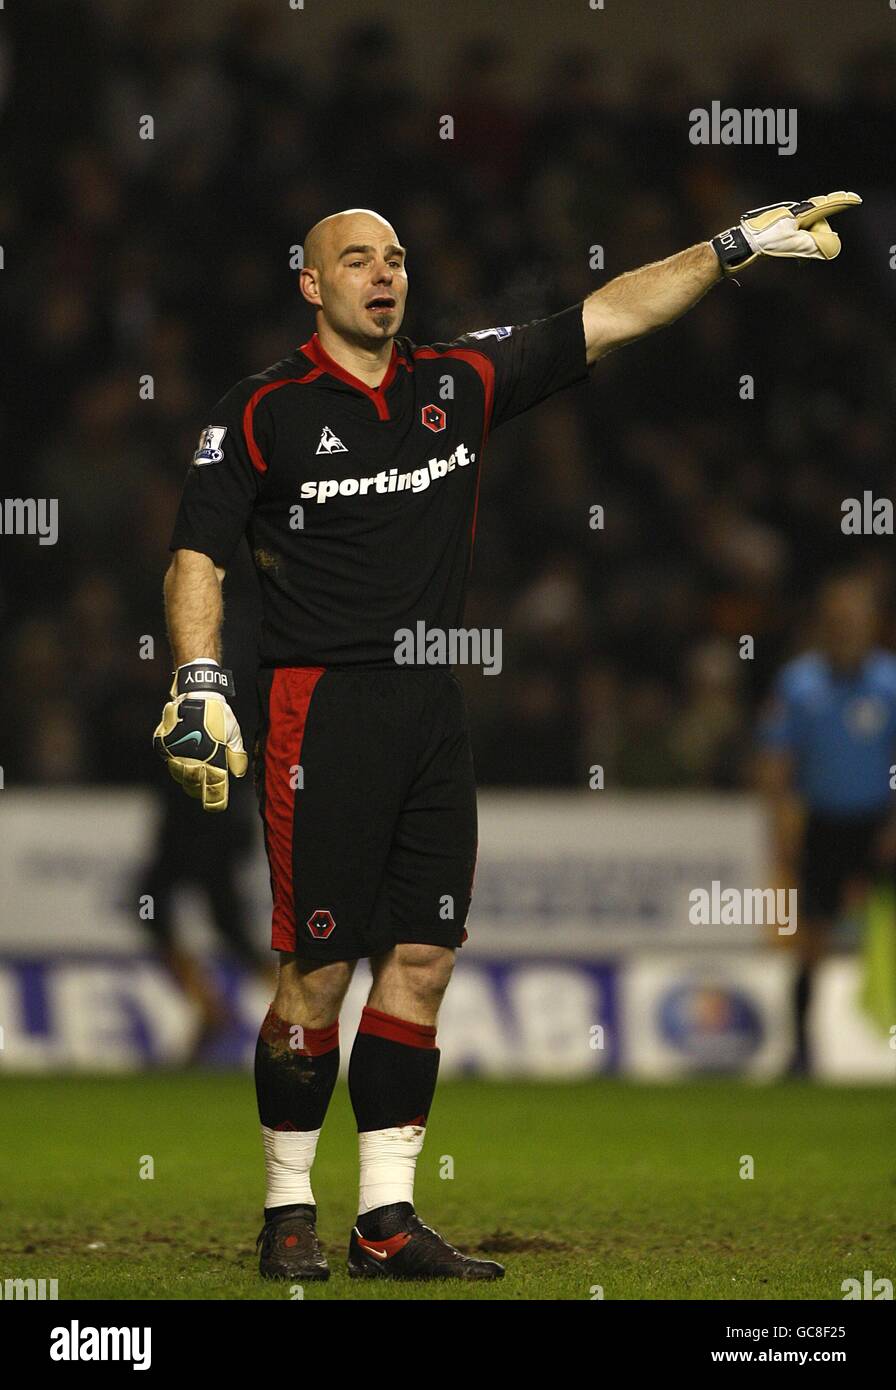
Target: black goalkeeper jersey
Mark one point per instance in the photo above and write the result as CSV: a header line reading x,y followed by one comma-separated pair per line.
x,y
359,503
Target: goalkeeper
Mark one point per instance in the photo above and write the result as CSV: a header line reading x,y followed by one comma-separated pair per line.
x,y
363,765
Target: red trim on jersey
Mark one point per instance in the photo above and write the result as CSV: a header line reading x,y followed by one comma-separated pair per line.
x,y
318,353
396,1029
291,692
484,368
255,454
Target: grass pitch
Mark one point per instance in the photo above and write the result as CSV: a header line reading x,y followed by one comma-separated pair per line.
x,y
633,1188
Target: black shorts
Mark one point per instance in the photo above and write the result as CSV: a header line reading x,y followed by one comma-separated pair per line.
x,y
837,851
367,795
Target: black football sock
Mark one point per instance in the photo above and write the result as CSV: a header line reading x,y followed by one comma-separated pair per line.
x,y
295,1072
391,1080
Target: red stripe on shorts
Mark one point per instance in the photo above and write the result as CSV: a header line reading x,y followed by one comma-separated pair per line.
x,y
291,691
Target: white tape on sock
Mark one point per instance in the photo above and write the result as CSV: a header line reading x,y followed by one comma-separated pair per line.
x,y
388,1161
288,1156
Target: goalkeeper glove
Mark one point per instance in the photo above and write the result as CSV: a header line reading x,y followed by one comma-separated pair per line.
x,y
198,735
784,229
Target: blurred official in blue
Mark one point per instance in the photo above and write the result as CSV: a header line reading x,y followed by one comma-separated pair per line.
x,y
827,746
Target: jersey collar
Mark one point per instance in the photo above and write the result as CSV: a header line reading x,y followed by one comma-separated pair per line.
x,y
318,354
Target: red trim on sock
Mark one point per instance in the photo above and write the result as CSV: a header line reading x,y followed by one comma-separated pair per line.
x,y
274,1029
320,1040
316,1041
397,1030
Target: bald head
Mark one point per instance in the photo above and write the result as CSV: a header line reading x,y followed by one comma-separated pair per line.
x,y
353,274
328,235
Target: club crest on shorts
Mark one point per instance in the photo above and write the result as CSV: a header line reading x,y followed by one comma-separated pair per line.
x,y
433,417
210,441
321,923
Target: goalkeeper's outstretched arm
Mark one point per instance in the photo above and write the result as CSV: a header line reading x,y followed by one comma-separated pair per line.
x,y
643,300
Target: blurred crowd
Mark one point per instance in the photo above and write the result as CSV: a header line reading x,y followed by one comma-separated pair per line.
x,y
169,259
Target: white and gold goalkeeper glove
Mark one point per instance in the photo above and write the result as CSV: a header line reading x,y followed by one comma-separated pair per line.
x,y
784,229
198,735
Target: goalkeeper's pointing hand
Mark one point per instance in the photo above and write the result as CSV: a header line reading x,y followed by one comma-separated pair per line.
x,y
198,735
784,229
